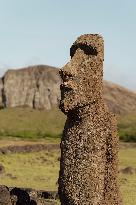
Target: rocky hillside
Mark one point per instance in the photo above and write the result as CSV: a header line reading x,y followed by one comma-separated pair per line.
x,y
38,87
119,99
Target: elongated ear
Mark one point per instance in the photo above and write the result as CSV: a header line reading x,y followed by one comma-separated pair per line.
x,y
88,50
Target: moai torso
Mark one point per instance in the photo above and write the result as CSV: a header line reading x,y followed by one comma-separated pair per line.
x,y
89,145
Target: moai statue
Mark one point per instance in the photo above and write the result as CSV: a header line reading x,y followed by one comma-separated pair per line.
x,y
89,145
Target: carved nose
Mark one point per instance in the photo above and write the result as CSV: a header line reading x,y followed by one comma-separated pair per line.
x,y
65,72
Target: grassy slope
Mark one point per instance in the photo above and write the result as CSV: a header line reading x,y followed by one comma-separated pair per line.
x,y
40,170
128,182
30,123
37,170
127,127
34,124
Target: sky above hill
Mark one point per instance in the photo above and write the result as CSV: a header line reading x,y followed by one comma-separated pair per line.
x,y
42,32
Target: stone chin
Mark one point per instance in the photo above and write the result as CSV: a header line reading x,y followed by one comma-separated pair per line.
x,y
69,100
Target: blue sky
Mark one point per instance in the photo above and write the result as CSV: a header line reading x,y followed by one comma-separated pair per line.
x,y
42,31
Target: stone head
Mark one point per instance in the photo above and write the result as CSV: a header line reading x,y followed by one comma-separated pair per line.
x,y
82,76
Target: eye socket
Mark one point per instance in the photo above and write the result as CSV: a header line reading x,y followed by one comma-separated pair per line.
x,y
88,50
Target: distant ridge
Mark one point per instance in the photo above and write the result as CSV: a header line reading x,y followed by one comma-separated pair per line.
x,y
38,87
120,100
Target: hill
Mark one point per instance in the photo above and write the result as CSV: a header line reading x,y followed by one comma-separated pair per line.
x,y
38,87
119,99
34,86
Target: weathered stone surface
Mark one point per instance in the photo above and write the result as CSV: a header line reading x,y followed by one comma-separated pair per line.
x,y
4,195
35,87
89,145
38,87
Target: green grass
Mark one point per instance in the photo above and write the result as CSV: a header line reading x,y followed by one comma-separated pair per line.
x,y
127,128
128,182
31,170
40,170
27,123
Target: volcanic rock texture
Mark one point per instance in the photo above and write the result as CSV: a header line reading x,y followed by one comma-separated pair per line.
x,y
89,145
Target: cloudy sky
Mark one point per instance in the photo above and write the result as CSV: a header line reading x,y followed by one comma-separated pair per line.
x,y
42,31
